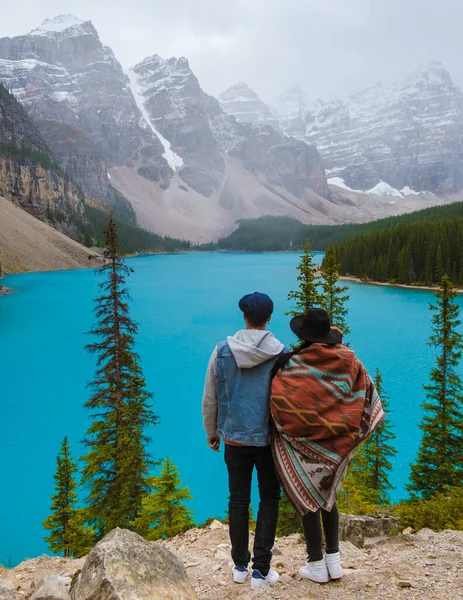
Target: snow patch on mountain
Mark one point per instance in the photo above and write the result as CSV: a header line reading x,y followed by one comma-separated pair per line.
x,y
58,25
339,182
385,190
407,191
173,159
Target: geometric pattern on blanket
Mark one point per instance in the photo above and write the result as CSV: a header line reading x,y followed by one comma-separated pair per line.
x,y
323,405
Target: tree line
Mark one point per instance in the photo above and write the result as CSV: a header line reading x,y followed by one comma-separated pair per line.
x,y
117,468
272,234
410,253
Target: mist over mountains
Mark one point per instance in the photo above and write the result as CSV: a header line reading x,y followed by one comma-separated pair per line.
x,y
192,165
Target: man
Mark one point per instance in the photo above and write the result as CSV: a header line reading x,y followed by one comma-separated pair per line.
x,y
236,409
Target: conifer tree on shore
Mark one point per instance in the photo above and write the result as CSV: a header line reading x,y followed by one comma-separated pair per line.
x,y
307,295
67,532
367,485
439,462
334,297
117,463
163,512
379,452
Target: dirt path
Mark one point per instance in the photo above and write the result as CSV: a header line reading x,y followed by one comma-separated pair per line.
x,y
426,566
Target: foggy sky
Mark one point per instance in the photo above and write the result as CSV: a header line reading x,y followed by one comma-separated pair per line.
x,y
330,47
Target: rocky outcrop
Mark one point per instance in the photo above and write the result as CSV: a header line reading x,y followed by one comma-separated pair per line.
x,y
245,105
123,566
79,156
408,134
51,587
29,176
36,189
356,529
16,127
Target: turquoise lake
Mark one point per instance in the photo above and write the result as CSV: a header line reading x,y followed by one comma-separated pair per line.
x,y
184,304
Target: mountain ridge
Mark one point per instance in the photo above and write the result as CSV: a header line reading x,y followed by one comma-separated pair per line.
x,y
405,134
188,168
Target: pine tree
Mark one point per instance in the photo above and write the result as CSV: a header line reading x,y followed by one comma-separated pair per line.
x,y
68,534
117,463
367,484
334,295
439,462
355,497
439,268
164,513
307,295
378,452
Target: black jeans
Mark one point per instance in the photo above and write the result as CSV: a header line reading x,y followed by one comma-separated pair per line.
x,y
241,461
313,532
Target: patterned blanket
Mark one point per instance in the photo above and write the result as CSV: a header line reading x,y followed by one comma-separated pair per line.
x,y
324,405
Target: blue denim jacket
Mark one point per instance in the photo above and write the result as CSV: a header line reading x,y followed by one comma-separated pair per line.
x,y
243,414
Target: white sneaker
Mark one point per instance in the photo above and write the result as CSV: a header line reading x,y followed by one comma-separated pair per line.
x,y
258,580
239,574
333,564
315,571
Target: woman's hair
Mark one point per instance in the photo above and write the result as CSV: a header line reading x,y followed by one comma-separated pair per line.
x,y
283,358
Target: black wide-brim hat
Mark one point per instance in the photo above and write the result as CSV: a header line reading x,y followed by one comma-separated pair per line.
x,y
315,326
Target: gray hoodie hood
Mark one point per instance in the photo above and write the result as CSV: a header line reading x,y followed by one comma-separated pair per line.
x,y
252,347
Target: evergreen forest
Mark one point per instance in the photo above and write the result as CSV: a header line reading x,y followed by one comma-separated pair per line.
x,y
273,234
419,252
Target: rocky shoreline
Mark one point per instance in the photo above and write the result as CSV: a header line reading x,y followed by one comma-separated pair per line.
x,y
396,285
4,290
197,565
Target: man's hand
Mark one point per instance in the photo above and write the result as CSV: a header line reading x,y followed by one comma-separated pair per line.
x,y
213,442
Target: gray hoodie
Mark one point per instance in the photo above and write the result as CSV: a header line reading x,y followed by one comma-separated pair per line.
x,y
250,347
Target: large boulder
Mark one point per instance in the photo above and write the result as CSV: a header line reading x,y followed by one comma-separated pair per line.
x,y
51,587
356,529
123,566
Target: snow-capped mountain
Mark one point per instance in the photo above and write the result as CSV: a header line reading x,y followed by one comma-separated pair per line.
x,y
63,74
409,134
245,105
173,103
189,169
155,134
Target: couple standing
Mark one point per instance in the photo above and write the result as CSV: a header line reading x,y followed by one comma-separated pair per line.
x,y
297,417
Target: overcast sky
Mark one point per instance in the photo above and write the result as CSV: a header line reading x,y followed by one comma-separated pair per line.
x,y
330,47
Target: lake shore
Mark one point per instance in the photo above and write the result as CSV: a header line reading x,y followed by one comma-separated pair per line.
x,y
396,285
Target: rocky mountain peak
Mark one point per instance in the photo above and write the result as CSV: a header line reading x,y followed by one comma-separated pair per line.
x,y
244,104
64,26
290,109
234,91
433,73
62,72
404,134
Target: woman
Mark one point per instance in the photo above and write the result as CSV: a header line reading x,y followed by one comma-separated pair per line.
x,y
323,404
